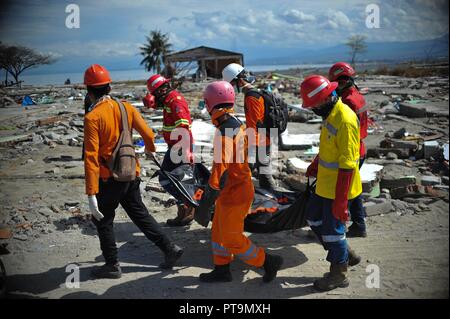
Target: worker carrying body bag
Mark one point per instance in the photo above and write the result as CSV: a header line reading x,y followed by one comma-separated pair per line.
x,y
122,162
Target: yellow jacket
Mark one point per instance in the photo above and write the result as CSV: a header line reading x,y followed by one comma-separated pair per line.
x,y
339,148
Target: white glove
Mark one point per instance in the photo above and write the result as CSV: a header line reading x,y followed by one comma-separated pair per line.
x,y
93,206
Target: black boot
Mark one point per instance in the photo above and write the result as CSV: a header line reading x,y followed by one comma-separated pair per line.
x,y
336,278
171,256
221,273
272,264
108,270
353,258
355,231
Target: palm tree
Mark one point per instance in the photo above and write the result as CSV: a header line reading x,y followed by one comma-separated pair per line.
x,y
154,50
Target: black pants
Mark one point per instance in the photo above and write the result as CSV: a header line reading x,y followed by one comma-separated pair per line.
x,y
128,195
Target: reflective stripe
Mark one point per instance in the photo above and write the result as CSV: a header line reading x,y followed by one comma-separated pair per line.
x,y
182,121
331,128
332,238
318,89
314,223
338,71
156,81
249,254
167,109
167,128
219,250
331,165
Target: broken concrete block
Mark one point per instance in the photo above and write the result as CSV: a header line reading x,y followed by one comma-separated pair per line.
x,y
52,136
445,180
430,180
412,110
431,148
379,152
394,143
391,156
415,191
391,182
373,209
298,141
295,165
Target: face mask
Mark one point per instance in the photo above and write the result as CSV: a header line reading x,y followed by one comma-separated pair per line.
x,y
326,109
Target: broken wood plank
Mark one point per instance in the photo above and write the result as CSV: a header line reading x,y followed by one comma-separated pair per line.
x,y
49,120
8,140
401,118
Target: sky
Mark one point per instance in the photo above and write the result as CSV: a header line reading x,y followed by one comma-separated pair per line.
x,y
112,31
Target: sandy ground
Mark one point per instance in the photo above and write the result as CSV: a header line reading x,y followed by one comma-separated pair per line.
x,y
411,250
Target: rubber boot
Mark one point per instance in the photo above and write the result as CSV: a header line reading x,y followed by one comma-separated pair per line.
x,y
221,273
272,264
108,270
267,182
185,215
336,278
353,258
171,256
355,231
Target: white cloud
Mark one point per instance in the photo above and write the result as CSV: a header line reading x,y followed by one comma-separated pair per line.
x,y
297,17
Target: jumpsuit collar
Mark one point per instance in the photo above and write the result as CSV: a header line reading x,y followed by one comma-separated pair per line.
x,y
218,114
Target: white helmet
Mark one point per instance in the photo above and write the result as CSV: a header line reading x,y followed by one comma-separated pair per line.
x,y
231,71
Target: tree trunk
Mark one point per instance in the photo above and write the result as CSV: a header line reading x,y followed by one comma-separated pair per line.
x,y
353,59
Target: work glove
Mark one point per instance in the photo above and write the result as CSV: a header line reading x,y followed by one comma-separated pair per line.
x,y
149,101
93,206
340,203
202,213
313,168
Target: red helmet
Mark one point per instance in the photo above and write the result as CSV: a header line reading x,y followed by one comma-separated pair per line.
x,y
155,81
218,92
96,75
339,69
149,101
315,89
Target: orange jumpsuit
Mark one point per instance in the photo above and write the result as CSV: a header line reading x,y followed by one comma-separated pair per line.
x,y
254,115
232,177
101,132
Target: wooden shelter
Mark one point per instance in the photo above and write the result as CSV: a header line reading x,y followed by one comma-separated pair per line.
x,y
210,61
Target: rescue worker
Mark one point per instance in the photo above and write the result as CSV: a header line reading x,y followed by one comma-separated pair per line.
x,y
101,134
343,73
254,116
338,181
230,188
176,120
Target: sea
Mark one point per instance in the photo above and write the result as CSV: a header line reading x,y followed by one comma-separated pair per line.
x,y
140,74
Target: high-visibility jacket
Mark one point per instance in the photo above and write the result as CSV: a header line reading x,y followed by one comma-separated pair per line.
x,y
357,103
176,114
231,175
102,128
338,149
254,116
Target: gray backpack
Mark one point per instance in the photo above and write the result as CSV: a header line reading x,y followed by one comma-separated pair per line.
x,y
122,162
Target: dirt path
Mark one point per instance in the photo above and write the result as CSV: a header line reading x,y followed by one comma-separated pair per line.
x,y
411,252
